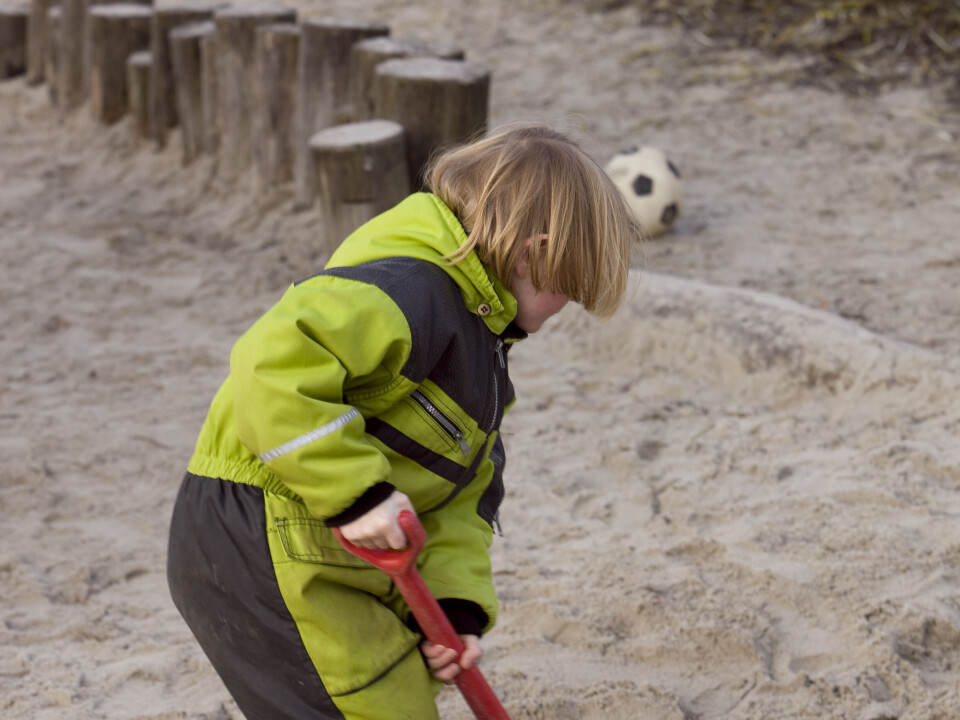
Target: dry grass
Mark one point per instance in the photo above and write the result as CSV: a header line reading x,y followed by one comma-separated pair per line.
x,y
857,45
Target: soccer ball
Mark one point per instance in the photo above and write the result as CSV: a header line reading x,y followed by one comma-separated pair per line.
x,y
651,185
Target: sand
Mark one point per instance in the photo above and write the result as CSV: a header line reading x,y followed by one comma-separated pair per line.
x,y
736,499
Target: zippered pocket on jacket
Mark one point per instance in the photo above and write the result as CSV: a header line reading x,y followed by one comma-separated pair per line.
x,y
448,426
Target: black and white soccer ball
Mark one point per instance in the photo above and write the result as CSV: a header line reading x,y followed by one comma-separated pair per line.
x,y
651,185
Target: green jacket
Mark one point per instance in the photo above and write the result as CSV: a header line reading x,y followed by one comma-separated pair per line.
x,y
386,370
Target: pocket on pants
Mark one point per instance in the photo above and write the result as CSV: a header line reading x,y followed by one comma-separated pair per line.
x,y
339,603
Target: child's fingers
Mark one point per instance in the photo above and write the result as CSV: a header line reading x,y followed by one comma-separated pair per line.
x,y
447,674
445,663
394,536
471,651
441,660
437,656
379,527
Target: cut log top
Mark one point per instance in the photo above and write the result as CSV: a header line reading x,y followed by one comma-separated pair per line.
x,y
387,45
121,10
434,69
186,9
347,137
279,28
340,23
251,12
194,30
140,58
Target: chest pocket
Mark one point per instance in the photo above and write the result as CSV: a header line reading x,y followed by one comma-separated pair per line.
x,y
439,416
434,422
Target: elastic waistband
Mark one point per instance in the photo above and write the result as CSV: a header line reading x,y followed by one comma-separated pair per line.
x,y
252,473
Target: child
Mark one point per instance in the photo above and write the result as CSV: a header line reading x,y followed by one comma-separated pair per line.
x,y
376,386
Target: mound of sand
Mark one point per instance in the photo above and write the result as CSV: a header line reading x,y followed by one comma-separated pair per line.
x,y
729,505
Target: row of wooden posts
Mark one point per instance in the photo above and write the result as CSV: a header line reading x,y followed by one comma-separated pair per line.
x,y
341,108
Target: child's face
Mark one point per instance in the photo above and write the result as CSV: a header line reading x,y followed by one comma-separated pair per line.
x,y
533,308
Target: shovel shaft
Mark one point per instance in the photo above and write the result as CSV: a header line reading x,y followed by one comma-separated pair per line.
x,y
438,630
401,567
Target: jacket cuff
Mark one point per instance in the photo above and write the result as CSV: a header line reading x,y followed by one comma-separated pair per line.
x,y
466,616
373,496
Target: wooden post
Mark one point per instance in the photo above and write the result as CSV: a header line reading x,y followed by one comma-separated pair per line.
x,y
74,55
235,39
361,170
438,102
114,32
138,90
187,74
366,55
13,40
51,64
209,91
163,103
276,60
324,88
70,93
37,32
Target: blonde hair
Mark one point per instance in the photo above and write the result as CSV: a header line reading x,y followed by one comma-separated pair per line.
x,y
530,181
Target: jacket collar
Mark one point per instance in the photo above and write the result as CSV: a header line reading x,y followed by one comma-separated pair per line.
x,y
422,226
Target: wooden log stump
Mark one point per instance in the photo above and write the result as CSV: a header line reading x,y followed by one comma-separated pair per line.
x,y
236,83
209,91
187,73
70,85
276,60
74,63
163,101
114,32
366,55
13,40
138,91
438,103
37,32
325,88
361,170
51,63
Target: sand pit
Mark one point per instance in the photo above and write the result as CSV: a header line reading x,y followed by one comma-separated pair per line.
x,y
737,499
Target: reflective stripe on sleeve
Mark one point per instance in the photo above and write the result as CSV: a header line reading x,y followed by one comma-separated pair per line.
x,y
322,431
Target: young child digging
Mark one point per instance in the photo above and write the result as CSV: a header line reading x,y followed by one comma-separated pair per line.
x,y
374,387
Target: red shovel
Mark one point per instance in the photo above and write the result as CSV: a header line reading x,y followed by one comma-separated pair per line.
x,y
400,565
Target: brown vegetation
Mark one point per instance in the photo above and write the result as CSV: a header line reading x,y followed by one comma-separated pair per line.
x,y
856,45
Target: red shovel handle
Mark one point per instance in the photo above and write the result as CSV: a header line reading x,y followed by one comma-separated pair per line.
x,y
400,565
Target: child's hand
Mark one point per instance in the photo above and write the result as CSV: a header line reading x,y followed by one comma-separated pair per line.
x,y
443,660
378,527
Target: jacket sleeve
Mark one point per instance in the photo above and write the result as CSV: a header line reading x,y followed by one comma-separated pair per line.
x,y
289,373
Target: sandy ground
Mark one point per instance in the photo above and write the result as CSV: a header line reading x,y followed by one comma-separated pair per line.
x,y
737,499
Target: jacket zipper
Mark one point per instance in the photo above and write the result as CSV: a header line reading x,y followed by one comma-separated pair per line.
x,y
455,433
443,421
496,404
498,349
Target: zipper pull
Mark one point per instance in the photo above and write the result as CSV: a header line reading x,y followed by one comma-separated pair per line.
x,y
464,448
499,351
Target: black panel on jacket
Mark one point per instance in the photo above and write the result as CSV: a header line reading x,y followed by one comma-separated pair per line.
x,y
450,345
